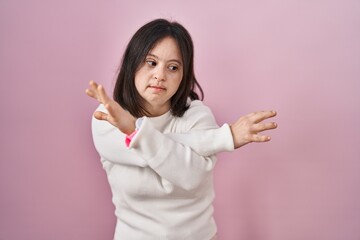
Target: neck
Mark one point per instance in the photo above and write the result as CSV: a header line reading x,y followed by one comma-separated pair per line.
x,y
156,111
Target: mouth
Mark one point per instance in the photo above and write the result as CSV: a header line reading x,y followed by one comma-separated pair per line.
x,y
157,88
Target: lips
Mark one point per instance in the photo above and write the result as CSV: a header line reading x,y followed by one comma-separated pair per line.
x,y
158,88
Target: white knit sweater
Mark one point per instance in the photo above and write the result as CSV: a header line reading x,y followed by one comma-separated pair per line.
x,y
162,184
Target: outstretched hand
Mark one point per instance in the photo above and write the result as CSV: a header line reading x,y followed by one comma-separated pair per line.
x,y
116,115
245,130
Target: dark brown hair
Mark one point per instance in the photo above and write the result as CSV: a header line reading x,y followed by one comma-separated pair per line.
x,y
141,43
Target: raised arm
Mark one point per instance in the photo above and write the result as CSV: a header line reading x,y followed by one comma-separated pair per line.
x,y
106,123
182,164
245,130
170,156
109,142
176,162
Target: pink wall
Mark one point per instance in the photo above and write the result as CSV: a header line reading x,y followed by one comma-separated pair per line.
x,y
301,58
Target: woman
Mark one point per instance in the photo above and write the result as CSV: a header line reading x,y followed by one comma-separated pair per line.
x,y
157,141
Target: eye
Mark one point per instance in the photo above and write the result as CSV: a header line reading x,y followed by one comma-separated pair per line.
x,y
173,68
151,63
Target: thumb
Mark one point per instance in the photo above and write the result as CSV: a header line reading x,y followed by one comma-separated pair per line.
x,y
101,115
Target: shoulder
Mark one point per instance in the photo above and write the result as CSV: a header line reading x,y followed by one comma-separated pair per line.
x,y
198,108
198,116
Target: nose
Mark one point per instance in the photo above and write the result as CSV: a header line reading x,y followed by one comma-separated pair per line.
x,y
159,74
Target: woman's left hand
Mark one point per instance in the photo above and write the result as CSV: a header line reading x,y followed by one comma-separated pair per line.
x,y
245,130
116,115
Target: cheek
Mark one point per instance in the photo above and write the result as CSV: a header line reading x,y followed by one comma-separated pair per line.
x,y
136,81
177,83
180,79
139,82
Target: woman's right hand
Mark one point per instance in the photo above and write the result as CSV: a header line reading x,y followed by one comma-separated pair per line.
x,y
116,115
245,130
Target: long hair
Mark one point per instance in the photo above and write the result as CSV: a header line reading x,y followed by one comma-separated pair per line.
x,y
140,45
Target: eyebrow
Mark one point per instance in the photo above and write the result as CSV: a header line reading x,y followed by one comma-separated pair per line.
x,y
171,60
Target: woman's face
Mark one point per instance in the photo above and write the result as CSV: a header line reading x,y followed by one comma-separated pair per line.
x,y
159,77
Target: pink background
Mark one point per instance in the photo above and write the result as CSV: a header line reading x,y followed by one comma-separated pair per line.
x,y
301,58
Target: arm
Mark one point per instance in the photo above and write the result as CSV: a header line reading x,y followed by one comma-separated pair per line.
x,y
110,124
109,143
198,140
171,160
179,163
245,130
109,140
164,155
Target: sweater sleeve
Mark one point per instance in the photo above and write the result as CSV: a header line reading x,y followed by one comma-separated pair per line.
x,y
110,143
176,161
198,140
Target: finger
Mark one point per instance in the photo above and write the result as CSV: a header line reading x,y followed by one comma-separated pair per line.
x,y
93,84
260,138
261,116
90,93
110,109
264,126
102,94
101,115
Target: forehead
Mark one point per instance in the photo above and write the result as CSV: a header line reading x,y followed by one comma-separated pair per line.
x,y
166,49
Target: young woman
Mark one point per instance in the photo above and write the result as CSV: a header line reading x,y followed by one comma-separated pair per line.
x,y
157,141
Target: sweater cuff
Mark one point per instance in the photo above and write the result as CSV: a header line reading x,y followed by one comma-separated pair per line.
x,y
129,137
226,138
142,143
